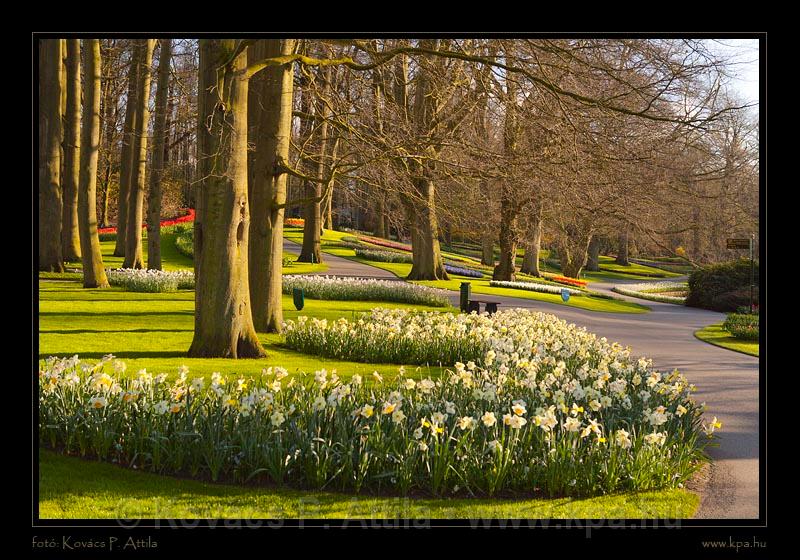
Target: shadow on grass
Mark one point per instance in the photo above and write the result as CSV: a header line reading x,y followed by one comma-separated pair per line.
x,y
115,314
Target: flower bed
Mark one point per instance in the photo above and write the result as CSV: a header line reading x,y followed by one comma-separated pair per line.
x,y
188,217
547,408
650,291
294,222
384,243
565,280
365,289
742,325
534,287
461,271
141,280
383,256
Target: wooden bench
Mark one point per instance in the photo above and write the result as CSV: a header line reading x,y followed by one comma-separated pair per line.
x,y
475,305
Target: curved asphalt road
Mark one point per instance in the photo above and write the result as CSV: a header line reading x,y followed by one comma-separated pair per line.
x,y
727,381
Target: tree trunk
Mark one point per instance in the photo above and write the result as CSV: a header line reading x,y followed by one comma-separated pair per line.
x,y
506,269
593,259
380,210
223,321
160,133
109,122
50,134
622,252
133,231
530,262
126,156
329,208
268,190
487,250
70,240
94,275
427,261
574,251
312,215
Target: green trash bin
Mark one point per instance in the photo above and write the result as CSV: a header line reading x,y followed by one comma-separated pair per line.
x,y
465,295
299,298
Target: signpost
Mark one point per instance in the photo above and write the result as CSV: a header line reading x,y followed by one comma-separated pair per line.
x,y
745,243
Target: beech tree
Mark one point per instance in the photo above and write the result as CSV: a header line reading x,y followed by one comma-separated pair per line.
x,y
223,320
157,165
133,230
50,135
94,275
126,157
70,240
272,105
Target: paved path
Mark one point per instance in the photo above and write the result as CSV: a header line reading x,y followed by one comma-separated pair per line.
x,y
339,266
727,381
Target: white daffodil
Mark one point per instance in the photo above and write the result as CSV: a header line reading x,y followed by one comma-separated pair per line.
x,y
489,419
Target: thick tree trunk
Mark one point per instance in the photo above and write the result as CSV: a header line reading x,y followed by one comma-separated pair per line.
x,y
622,252
109,123
593,259
506,269
70,240
574,251
533,246
160,133
126,156
223,321
133,231
427,261
50,135
268,190
94,275
487,250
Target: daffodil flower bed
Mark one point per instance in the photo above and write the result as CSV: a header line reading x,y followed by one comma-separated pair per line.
x,y
141,280
365,289
383,256
534,287
552,410
650,291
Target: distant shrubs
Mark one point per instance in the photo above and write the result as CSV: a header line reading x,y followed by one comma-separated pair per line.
x,y
722,287
742,325
184,240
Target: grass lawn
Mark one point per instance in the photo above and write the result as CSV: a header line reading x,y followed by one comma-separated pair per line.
x,y
104,491
714,334
154,331
331,239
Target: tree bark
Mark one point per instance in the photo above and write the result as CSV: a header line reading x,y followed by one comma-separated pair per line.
x,y
223,321
160,133
574,250
126,156
622,252
593,259
94,275
487,250
50,135
109,122
506,269
530,261
133,232
70,240
426,255
268,190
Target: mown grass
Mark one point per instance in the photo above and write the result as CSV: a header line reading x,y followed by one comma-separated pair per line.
x,y
716,335
104,491
330,244
154,331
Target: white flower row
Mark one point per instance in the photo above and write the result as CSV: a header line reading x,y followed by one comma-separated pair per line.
x,y
365,289
650,291
143,280
534,287
543,405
